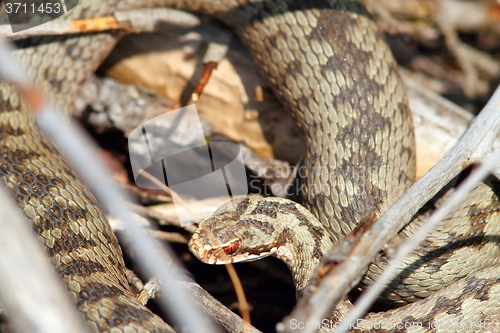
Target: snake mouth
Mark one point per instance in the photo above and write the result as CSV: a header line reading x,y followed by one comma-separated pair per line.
x,y
216,255
246,257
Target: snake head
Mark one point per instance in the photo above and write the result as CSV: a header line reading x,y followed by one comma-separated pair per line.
x,y
236,232
215,253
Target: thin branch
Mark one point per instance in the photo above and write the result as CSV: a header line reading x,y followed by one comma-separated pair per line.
x,y
158,213
172,237
178,199
240,295
148,291
217,310
327,290
215,53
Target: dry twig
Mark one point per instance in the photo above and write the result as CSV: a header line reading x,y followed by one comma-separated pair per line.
x,y
29,286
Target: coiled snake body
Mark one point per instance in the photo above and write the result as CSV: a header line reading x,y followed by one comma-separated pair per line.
x,y
328,64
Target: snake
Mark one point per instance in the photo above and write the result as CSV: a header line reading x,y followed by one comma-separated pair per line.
x,y
328,65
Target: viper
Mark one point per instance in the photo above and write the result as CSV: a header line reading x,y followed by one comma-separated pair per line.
x,y
338,79
329,66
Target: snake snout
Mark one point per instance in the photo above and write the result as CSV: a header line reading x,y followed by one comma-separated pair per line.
x,y
211,254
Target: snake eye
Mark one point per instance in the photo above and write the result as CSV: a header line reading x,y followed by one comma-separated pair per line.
x,y
231,248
